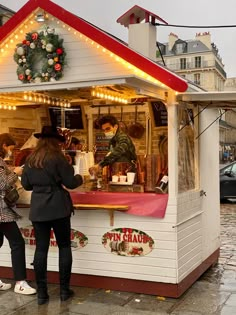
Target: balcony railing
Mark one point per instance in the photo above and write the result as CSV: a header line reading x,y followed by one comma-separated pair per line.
x,y
193,66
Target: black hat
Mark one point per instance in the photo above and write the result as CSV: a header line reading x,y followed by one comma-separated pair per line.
x,y
50,132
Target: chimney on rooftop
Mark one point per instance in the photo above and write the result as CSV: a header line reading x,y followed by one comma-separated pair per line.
x,y
172,39
205,38
142,30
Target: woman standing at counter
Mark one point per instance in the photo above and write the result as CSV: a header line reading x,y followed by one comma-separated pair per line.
x,y
8,218
46,173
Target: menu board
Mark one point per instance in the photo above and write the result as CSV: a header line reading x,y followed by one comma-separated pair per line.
x,y
101,147
73,117
159,114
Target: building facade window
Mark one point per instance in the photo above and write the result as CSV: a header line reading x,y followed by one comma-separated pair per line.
x,y
179,48
198,62
197,78
182,63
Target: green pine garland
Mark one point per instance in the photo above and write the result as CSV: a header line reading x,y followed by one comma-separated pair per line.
x,y
44,47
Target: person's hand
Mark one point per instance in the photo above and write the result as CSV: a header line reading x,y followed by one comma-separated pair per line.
x,y
18,170
94,169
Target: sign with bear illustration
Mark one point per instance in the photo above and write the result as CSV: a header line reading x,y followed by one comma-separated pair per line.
x,y
128,242
78,239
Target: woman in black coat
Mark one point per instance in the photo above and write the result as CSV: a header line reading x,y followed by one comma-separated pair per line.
x,y
47,173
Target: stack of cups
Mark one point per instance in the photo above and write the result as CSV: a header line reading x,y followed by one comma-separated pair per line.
x,y
122,178
130,177
115,178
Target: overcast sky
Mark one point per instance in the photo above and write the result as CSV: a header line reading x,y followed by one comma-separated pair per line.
x,y
104,13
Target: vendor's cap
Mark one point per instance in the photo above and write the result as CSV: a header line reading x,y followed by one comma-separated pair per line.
x,y
50,132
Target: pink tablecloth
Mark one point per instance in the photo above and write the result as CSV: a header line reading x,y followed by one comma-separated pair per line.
x,y
143,204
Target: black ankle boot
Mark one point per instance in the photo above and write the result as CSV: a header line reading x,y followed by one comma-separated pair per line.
x,y
43,296
65,294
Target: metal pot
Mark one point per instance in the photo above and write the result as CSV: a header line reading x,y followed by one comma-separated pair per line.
x,y
136,130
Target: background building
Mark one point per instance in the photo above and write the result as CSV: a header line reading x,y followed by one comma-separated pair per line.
x,y
5,14
197,60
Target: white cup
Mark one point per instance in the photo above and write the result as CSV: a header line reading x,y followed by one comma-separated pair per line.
x,y
115,178
130,177
122,178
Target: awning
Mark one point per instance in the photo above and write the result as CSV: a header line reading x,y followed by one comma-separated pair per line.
x,y
80,92
225,100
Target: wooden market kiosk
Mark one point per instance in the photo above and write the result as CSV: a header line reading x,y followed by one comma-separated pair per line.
x,y
132,241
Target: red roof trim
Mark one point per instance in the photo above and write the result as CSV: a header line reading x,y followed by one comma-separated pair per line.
x,y
158,72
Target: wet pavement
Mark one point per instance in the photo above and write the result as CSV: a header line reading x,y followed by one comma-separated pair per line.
x,y
214,293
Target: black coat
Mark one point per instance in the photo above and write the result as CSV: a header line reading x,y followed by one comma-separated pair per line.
x,y
49,200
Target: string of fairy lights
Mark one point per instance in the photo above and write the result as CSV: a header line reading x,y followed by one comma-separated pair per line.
x,y
28,24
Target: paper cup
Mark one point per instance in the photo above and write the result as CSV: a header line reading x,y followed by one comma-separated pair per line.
x,y
115,178
130,177
122,178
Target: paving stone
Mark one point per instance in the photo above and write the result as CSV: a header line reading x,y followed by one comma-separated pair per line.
x,y
149,302
228,310
111,297
203,298
231,301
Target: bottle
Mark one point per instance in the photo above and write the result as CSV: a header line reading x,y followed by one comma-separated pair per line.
x,y
163,185
99,183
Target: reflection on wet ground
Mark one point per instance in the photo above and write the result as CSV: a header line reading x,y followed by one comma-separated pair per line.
x,y
226,266
227,260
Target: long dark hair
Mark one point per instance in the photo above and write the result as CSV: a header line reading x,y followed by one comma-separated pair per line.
x,y
46,149
5,138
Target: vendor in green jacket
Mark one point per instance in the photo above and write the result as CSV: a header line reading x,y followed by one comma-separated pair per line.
x,y
121,146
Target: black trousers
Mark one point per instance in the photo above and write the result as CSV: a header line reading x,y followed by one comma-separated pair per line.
x,y
17,244
62,230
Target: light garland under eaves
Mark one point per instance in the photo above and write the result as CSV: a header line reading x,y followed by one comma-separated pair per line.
x,y
110,96
30,23
6,106
38,98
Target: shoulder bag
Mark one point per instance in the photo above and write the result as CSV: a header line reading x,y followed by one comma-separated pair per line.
x,y
11,196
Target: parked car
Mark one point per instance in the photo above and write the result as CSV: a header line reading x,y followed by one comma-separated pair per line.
x,y
228,182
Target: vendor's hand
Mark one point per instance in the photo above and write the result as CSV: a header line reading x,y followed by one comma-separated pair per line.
x,y
18,170
94,169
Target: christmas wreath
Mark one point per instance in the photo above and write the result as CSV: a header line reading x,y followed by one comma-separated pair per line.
x,y
43,49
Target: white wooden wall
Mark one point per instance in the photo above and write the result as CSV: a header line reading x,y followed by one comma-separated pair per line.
x,y
84,61
159,265
189,233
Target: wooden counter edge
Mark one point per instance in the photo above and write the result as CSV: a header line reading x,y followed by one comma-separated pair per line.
x,y
80,206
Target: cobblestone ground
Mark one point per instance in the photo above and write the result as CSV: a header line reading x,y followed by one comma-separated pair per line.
x,y
227,260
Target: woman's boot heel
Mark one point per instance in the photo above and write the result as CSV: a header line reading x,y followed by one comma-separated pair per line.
x,y
66,294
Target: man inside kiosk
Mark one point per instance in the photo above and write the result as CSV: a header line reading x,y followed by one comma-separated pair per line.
x,y
121,155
